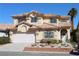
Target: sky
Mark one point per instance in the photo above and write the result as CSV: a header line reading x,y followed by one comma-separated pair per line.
x,y
7,10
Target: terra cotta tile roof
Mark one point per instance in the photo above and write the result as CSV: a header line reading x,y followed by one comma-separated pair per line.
x,y
42,15
7,26
36,27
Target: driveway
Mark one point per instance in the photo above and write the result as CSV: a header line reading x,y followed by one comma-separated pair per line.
x,y
13,47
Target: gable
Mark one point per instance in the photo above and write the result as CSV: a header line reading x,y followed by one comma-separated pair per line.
x,y
23,27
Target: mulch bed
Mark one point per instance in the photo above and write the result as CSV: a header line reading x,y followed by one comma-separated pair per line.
x,y
47,49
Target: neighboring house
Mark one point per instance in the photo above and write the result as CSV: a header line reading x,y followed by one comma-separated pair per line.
x,y
3,29
32,27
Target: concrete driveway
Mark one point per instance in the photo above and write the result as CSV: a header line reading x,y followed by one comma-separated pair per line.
x,y
13,47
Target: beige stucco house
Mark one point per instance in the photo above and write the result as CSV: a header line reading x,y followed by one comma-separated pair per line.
x,y
32,27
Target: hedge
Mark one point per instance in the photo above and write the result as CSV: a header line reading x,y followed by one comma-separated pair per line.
x,y
52,41
4,40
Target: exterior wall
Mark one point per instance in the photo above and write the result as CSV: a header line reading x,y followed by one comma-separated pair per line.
x,y
58,34
46,20
11,33
28,20
40,35
40,21
22,29
68,32
15,21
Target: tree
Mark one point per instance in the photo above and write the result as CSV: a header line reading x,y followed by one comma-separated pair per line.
x,y
72,13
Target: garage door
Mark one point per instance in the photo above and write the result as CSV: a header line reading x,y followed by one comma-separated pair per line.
x,y
23,38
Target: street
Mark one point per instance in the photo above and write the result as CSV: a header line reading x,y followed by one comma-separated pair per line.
x,y
9,53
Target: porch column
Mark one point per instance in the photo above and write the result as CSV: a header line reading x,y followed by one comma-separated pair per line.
x,y
68,32
39,35
59,35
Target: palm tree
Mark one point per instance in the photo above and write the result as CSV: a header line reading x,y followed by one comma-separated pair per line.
x,y
72,13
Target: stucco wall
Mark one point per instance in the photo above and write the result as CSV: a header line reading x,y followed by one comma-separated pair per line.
x,y
22,28
40,35
68,31
15,21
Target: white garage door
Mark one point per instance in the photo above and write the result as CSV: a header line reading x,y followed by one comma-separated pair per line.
x,y
23,38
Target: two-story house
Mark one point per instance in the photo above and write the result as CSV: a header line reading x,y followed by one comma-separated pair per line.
x,y
32,27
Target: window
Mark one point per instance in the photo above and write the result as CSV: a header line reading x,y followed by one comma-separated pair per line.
x,y
33,19
48,34
53,20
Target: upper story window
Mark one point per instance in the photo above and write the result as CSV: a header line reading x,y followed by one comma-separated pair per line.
x,y
34,19
48,34
53,20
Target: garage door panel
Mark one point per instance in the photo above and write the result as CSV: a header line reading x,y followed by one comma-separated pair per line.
x,y
21,38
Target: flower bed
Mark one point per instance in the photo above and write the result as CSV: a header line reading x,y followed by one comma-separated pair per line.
x,y
50,41
47,49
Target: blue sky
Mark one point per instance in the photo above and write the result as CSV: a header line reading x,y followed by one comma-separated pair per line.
x,y
9,9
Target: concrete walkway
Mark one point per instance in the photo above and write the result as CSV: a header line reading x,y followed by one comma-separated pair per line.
x,y
13,47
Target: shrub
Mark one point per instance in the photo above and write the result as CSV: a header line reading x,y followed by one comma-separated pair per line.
x,y
43,41
59,41
48,41
4,40
52,41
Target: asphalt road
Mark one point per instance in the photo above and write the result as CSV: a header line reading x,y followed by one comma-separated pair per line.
x,y
9,53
